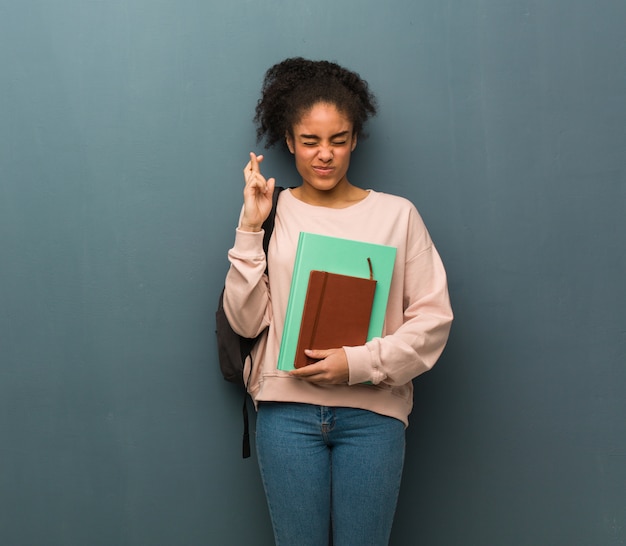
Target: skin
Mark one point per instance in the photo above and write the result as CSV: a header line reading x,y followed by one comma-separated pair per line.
x,y
322,142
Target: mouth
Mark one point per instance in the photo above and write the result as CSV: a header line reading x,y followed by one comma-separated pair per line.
x,y
323,171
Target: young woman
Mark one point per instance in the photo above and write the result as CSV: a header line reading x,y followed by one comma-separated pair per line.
x,y
330,436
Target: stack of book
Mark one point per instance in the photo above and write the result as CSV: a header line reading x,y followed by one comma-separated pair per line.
x,y
338,297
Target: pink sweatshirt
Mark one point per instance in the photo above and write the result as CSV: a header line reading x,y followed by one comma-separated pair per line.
x,y
417,321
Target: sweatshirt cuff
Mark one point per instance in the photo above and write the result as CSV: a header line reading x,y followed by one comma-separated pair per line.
x,y
361,366
248,243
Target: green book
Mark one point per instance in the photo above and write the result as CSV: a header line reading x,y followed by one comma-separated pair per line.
x,y
334,255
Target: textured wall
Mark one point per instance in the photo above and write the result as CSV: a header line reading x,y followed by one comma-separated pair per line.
x,y
124,126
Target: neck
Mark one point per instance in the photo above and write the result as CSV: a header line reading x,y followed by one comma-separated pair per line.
x,y
341,196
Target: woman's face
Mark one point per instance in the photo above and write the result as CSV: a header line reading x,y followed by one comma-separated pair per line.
x,y
322,142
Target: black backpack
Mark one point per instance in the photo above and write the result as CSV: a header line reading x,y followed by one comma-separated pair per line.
x,y
232,348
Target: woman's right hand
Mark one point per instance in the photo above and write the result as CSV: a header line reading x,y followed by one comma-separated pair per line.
x,y
257,195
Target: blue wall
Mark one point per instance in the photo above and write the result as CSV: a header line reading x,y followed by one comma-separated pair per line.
x,y
124,126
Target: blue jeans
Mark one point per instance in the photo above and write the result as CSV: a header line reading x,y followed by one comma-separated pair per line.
x,y
321,464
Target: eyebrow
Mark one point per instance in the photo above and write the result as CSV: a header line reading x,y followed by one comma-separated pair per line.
x,y
315,137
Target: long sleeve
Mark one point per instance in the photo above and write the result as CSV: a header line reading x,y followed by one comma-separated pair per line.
x,y
246,294
414,346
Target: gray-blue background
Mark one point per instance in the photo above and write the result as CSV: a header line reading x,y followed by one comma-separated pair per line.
x,y
124,126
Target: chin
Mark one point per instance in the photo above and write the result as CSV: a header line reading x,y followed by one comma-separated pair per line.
x,y
324,185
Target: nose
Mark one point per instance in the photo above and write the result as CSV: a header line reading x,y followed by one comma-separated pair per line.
x,y
325,153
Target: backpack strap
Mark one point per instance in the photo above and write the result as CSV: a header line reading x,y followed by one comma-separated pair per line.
x,y
268,225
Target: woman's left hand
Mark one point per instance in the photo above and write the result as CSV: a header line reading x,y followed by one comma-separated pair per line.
x,y
331,368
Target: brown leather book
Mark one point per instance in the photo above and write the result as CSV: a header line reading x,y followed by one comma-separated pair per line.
x,y
337,312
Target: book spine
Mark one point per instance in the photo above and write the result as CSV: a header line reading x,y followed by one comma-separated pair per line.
x,y
318,312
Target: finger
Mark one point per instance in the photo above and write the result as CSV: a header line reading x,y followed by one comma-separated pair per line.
x,y
254,179
306,371
312,375
317,354
247,172
254,162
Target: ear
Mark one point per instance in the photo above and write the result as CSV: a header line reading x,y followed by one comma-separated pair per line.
x,y
354,141
290,143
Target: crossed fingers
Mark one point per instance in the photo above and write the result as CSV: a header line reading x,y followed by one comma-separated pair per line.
x,y
252,173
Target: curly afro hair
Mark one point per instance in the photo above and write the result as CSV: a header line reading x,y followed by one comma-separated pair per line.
x,y
293,86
